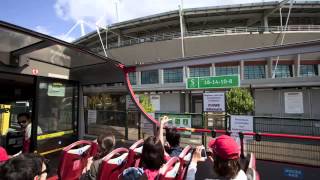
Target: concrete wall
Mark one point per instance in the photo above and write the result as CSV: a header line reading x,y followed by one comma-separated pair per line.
x,y
269,102
170,102
171,49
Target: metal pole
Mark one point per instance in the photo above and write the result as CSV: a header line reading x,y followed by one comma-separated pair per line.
x,y
280,11
126,126
181,26
106,38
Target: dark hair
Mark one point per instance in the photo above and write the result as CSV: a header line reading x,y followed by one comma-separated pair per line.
x,y
173,137
152,156
22,167
27,115
106,143
226,168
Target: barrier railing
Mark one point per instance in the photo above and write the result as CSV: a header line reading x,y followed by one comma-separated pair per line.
x,y
287,148
281,125
208,32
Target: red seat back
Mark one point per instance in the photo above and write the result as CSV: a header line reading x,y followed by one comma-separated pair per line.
x,y
252,174
184,157
170,170
113,164
252,161
73,160
134,154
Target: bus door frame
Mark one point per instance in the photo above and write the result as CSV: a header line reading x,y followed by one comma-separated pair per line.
x,y
35,108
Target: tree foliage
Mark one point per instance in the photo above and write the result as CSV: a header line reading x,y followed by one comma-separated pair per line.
x,y
146,104
239,101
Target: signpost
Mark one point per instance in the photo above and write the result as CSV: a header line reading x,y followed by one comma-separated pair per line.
x,y
241,124
293,102
213,82
179,121
214,102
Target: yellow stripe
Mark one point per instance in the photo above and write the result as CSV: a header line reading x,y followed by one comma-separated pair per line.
x,y
53,135
190,129
4,119
51,151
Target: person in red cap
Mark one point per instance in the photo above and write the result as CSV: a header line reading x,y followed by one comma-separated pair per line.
x,y
226,153
3,155
226,159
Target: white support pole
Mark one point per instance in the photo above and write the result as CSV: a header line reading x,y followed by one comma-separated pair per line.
x,y
280,11
82,28
70,30
282,39
181,27
106,37
104,50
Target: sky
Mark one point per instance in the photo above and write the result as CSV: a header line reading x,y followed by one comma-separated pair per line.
x,y
57,17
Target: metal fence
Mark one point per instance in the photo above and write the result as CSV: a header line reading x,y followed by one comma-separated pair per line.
x,y
284,148
123,124
279,125
299,126
210,32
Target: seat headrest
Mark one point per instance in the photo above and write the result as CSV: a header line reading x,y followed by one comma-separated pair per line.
x,y
79,151
118,160
173,172
138,150
187,157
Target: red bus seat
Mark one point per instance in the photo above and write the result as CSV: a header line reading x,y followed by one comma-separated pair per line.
x,y
73,160
252,174
134,154
252,161
184,157
170,170
113,164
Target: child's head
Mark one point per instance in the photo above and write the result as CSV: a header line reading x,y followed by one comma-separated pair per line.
x,y
152,155
226,156
106,143
173,137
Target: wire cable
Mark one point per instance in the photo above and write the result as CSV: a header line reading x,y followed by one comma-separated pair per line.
x,y
282,39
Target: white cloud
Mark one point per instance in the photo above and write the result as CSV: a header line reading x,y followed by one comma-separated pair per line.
x,y
104,10
65,38
42,29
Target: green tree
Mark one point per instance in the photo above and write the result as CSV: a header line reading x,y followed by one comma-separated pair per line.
x,y
146,104
239,101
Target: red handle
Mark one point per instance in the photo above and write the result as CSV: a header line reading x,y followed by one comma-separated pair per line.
x,y
115,152
169,164
81,142
185,151
136,144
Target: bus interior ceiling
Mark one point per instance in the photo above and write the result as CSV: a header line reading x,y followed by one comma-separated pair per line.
x,y
15,88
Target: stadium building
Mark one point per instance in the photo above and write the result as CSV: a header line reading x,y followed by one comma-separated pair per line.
x,y
170,47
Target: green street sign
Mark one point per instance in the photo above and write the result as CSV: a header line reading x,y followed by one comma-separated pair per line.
x,y
213,82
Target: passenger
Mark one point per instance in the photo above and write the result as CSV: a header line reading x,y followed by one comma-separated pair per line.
x,y
173,138
3,155
24,167
152,157
106,142
24,121
226,163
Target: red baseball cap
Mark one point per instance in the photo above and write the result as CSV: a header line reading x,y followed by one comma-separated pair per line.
x,y
211,143
225,147
3,154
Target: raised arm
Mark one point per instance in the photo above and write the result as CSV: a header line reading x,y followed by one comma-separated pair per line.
x,y
163,120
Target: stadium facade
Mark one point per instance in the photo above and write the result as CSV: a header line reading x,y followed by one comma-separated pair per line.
x,y
164,59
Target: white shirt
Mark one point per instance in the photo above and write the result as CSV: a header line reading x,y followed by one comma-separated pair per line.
x,y
27,134
192,170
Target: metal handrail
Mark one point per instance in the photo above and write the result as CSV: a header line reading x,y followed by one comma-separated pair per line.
x,y
211,32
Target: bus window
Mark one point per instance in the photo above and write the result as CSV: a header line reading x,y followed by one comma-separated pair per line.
x,y
57,114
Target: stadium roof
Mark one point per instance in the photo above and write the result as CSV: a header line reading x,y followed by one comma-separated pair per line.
x,y
251,12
